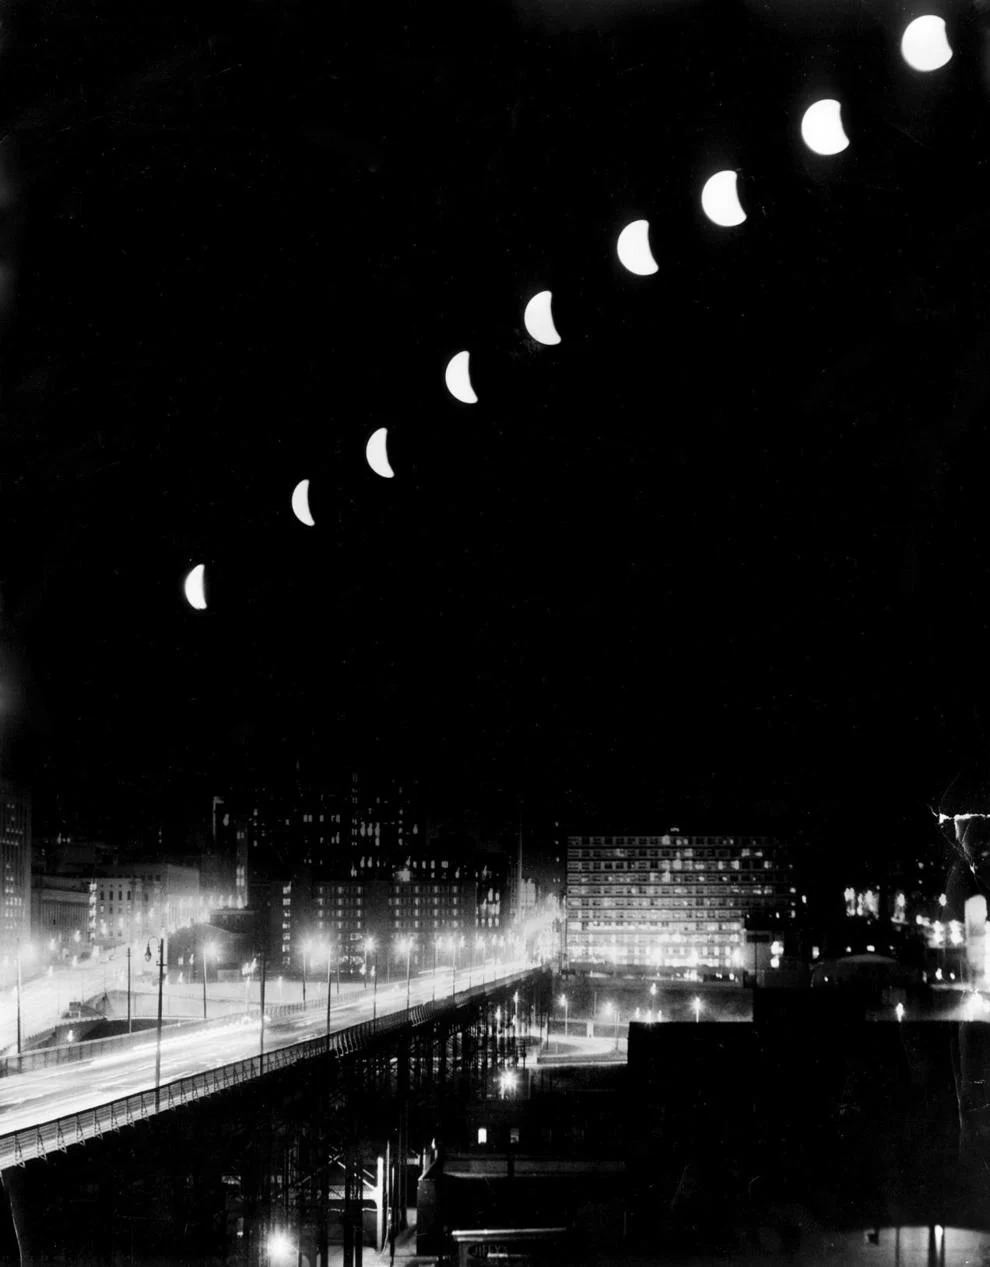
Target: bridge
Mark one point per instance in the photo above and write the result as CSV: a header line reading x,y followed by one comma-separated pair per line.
x,y
268,1093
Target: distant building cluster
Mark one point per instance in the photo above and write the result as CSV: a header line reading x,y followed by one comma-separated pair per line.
x,y
671,903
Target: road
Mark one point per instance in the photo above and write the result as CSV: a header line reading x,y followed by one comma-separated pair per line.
x,y
43,1094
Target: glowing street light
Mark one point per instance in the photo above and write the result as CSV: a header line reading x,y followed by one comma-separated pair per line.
x,y
280,1249
899,1011
507,1082
697,1008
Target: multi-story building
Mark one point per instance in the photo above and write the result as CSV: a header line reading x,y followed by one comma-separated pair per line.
x,y
672,903
60,913
15,869
142,899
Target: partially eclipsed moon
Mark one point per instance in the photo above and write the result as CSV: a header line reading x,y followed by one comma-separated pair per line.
x,y
194,587
924,44
300,504
377,453
457,376
821,128
720,200
633,248
538,319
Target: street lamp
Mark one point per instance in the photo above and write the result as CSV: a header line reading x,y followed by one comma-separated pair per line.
x,y
697,1009
329,990
305,958
158,1032
20,954
369,945
205,952
563,1004
404,946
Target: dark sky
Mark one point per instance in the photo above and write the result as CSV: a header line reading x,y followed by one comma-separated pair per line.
x,y
719,558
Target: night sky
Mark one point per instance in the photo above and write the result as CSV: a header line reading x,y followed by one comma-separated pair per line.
x,y
719,559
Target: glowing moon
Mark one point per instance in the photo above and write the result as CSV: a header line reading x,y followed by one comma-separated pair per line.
x,y
633,248
300,504
720,200
924,44
377,453
194,587
457,376
538,319
821,128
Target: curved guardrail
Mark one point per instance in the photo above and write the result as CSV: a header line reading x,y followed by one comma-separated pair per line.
x,y
58,1134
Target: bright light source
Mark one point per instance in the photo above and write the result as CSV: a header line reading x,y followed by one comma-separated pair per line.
x,y
899,1011
925,46
871,949
563,1000
942,899
720,200
482,1134
633,248
538,319
821,128
507,1081
280,1248
777,948
457,376
775,961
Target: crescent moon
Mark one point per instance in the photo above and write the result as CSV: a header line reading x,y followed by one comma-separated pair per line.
x,y
300,504
538,319
457,376
720,200
194,587
377,453
821,128
633,248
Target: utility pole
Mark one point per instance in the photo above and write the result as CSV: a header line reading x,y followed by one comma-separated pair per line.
x,y
264,961
128,989
329,992
158,1032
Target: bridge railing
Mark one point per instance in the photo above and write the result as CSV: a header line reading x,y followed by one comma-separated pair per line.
x,y
41,1140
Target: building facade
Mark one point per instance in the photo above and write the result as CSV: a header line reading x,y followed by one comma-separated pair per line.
x,y
142,900
671,904
60,913
15,869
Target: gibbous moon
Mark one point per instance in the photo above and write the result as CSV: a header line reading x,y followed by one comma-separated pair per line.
x,y
821,127
633,248
924,44
538,319
457,376
377,453
300,504
194,587
720,200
